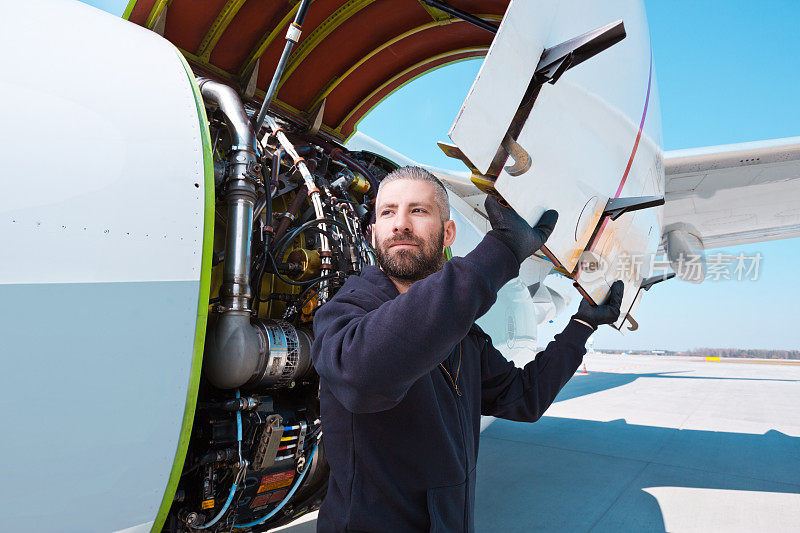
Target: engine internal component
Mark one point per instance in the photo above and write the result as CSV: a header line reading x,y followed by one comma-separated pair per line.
x,y
291,210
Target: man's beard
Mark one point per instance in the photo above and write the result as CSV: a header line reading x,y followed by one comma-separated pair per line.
x,y
408,264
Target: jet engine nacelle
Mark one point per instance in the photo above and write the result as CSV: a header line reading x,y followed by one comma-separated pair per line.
x,y
685,251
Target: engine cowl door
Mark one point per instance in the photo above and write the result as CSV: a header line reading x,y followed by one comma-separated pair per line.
x,y
593,136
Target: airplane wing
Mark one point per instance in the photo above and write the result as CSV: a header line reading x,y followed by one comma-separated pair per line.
x,y
734,194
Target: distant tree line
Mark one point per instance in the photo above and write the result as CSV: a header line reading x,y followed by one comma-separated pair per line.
x,y
714,352
739,352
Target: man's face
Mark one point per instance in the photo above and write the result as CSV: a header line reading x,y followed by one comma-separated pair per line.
x,y
409,236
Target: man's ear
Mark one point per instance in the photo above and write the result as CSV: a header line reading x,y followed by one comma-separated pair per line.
x,y
449,233
372,235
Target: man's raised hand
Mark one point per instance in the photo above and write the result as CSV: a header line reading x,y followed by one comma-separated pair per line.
x,y
515,232
605,313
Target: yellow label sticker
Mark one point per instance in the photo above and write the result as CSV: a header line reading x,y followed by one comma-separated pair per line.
x,y
208,504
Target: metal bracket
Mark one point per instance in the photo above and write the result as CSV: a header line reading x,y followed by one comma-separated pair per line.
x,y
301,438
160,24
463,15
522,160
315,118
616,207
649,282
251,85
268,443
552,64
558,59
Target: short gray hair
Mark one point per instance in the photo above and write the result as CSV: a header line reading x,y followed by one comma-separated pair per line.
x,y
419,173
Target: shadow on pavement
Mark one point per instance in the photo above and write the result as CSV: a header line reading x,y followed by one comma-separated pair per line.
x,y
563,474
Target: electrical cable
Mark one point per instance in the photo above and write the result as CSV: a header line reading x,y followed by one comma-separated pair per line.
x,y
306,225
286,498
239,475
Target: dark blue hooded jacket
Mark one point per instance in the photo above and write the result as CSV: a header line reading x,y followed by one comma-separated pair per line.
x,y
400,430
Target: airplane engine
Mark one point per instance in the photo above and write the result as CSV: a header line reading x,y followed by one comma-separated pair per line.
x,y
291,212
685,251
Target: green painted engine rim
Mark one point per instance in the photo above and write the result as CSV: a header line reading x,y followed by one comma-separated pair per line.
x,y
128,10
202,306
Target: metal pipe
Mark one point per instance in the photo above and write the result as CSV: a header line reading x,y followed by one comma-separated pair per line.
x,y
243,136
233,346
292,36
240,195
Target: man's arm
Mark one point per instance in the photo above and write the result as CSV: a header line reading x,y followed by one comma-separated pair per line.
x,y
523,394
369,359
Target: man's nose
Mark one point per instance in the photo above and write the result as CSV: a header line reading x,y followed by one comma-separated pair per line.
x,y
402,223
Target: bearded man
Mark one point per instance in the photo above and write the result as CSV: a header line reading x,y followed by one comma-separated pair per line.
x,y
405,374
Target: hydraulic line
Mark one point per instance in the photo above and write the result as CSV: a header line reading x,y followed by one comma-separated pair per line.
x,y
268,183
313,192
270,231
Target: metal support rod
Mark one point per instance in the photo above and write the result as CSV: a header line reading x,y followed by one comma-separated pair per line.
x,y
463,15
292,36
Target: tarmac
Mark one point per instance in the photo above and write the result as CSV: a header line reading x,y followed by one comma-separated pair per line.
x,y
648,443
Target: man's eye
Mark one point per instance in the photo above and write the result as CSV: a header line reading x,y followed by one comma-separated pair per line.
x,y
385,212
419,209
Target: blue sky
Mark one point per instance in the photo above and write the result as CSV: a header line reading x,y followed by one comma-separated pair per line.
x,y
727,73
117,7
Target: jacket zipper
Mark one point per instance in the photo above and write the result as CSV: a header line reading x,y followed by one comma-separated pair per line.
x,y
461,416
450,376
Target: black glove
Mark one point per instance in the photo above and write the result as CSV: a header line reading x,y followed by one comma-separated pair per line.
x,y
604,313
515,232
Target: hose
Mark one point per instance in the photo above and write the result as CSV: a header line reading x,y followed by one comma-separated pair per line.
x,y
291,212
238,475
288,237
337,154
292,36
290,282
256,283
286,498
281,245
313,191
